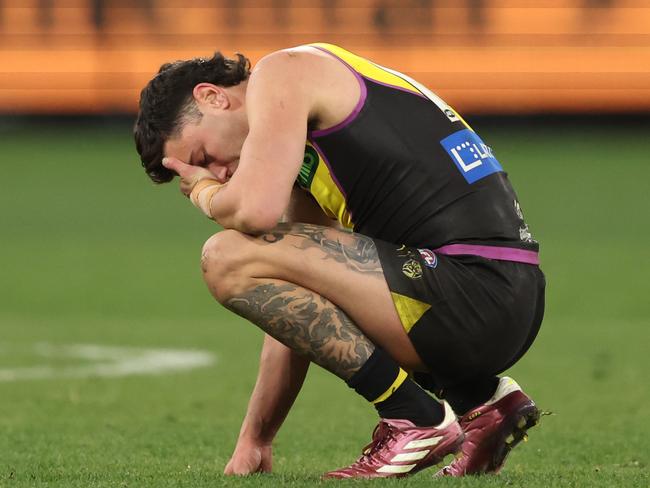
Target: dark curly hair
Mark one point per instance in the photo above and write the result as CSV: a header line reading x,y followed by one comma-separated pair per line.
x,y
166,102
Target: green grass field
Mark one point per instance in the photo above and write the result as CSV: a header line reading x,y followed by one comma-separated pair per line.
x,y
92,253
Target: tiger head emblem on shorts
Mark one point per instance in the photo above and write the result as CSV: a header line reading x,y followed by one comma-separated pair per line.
x,y
412,269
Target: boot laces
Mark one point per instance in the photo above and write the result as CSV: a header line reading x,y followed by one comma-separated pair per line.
x,y
382,434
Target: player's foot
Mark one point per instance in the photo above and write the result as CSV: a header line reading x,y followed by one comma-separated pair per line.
x,y
399,448
492,430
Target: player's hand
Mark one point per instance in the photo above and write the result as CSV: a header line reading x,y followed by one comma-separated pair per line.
x,y
190,175
249,458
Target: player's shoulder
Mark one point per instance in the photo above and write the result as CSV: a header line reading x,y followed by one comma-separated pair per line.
x,y
294,63
301,72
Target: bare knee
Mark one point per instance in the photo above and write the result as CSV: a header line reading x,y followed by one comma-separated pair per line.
x,y
226,260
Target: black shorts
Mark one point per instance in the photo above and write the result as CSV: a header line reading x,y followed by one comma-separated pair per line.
x,y
468,317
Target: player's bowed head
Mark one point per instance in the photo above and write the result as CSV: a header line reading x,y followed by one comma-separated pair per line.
x,y
168,103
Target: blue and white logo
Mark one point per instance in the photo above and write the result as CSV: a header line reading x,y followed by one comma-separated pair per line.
x,y
471,155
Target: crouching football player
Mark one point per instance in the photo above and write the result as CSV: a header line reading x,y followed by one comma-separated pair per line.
x,y
430,279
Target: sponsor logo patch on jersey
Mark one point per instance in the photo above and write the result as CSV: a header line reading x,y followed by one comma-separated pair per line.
x,y
308,168
472,157
429,257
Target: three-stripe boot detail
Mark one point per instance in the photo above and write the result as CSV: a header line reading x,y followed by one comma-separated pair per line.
x,y
400,448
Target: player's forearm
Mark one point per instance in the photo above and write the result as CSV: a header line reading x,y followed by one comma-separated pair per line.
x,y
279,380
219,202
227,207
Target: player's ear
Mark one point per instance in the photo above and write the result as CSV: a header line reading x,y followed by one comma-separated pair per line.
x,y
211,97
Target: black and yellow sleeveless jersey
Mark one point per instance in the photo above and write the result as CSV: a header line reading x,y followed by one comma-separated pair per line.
x,y
404,167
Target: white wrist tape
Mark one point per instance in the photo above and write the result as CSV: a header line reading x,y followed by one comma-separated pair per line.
x,y
202,193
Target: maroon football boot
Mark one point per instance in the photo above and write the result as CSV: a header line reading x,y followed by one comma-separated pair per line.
x,y
399,448
492,430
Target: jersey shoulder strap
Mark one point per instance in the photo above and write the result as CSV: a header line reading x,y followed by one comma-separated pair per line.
x,y
366,68
388,77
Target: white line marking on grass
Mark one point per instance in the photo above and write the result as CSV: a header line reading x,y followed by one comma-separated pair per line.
x,y
108,361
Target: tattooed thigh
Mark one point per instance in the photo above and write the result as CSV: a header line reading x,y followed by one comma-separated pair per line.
x,y
356,251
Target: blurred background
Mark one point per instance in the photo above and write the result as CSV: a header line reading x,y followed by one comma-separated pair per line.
x,y
485,56
91,252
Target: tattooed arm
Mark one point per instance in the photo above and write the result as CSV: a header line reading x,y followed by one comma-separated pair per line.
x,y
280,378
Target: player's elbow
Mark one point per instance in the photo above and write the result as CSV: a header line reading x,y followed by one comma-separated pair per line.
x,y
257,220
